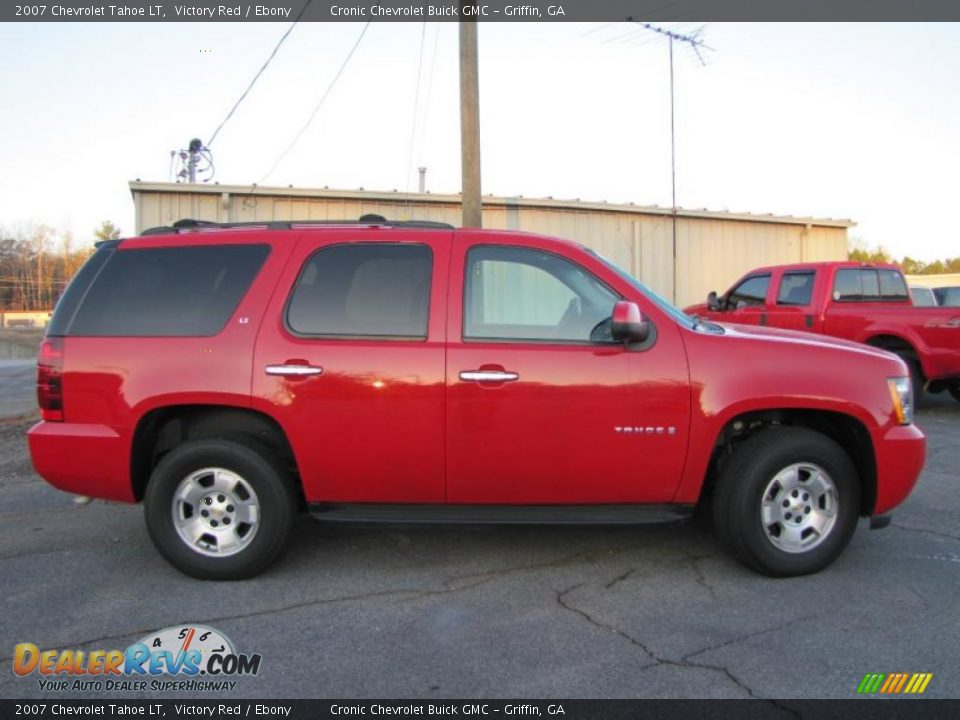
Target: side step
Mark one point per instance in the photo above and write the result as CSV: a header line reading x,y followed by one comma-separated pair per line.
x,y
501,514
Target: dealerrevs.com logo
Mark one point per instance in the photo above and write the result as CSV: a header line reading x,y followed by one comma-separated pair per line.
x,y
189,658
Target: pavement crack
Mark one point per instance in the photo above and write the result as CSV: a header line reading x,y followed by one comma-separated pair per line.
x,y
621,578
562,602
403,593
657,660
78,644
745,636
694,562
924,531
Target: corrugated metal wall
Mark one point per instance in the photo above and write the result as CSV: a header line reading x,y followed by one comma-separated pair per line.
x,y
713,248
935,281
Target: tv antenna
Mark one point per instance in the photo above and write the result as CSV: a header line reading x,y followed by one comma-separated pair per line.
x,y
694,40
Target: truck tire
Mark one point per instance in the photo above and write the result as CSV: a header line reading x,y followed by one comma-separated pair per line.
x,y
218,509
954,389
787,501
916,378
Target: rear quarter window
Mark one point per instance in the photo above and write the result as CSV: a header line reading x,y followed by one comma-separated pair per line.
x,y
796,288
175,291
869,285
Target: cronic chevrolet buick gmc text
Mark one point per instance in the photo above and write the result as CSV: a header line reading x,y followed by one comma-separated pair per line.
x,y
229,376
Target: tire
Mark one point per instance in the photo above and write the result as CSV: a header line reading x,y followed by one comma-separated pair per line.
x,y
916,378
771,465
248,500
954,389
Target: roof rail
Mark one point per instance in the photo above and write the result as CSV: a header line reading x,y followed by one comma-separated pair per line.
x,y
188,224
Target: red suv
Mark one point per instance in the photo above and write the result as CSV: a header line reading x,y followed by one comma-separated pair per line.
x,y
229,376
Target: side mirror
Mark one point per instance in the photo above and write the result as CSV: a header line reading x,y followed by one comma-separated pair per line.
x,y
713,302
628,324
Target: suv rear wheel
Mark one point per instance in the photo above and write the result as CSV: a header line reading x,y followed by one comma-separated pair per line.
x,y
787,502
218,509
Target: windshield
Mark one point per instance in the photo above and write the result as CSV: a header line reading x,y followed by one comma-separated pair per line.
x,y
660,301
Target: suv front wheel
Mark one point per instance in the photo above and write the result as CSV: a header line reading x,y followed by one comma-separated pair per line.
x,y
219,510
787,501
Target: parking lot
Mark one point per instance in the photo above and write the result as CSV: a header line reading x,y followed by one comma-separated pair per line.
x,y
501,612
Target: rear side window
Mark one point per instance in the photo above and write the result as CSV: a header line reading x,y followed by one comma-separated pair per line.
x,y
796,288
365,290
176,291
752,291
869,285
892,285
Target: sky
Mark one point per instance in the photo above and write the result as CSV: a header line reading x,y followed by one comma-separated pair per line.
x,y
827,120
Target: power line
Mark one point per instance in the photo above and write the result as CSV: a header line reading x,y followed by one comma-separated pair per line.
x,y
319,105
259,73
416,107
425,125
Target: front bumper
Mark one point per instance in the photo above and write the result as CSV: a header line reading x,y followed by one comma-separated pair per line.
x,y
82,459
901,453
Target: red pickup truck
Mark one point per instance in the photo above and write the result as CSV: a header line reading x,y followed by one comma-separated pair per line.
x,y
867,303
231,376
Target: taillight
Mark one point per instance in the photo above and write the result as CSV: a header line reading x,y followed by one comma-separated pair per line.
x,y
50,379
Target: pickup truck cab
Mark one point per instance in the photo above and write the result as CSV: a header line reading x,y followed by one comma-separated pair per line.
x,y
867,303
229,376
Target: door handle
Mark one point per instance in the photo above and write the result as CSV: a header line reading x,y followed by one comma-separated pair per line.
x,y
488,376
291,370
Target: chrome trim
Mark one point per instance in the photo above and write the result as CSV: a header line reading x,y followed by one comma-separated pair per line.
x,y
294,370
488,376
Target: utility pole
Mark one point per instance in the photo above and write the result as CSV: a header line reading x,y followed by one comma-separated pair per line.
x,y
673,180
195,145
470,125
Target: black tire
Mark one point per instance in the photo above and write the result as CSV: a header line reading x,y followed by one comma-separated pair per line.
x,y
916,378
741,486
954,389
274,493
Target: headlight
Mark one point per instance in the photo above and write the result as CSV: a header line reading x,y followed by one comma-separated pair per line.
x,y
901,391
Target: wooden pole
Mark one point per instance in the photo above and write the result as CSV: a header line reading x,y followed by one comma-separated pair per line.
x,y
470,125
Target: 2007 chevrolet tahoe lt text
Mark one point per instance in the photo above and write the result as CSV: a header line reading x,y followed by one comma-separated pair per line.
x,y
230,376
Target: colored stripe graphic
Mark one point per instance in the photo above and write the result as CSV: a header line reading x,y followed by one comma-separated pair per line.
x,y
894,683
870,683
903,680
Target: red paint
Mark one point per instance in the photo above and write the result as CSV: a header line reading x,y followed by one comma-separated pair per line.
x,y
932,332
390,421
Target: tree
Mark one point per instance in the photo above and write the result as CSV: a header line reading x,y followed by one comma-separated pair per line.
x,y
911,266
35,268
107,231
859,252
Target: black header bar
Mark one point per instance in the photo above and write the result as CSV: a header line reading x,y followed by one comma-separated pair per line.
x,y
888,709
483,10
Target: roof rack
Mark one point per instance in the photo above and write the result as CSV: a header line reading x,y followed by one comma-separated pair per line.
x,y
188,224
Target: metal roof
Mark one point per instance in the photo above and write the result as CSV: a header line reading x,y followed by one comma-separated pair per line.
x,y
573,205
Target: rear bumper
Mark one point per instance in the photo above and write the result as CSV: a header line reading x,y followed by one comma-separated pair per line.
x,y
82,459
901,453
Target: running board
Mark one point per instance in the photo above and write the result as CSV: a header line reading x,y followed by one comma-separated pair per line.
x,y
501,514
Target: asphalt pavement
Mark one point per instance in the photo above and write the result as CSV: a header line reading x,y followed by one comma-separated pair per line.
x,y
396,612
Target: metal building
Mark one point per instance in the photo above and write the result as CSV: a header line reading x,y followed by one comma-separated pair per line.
x,y
712,250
